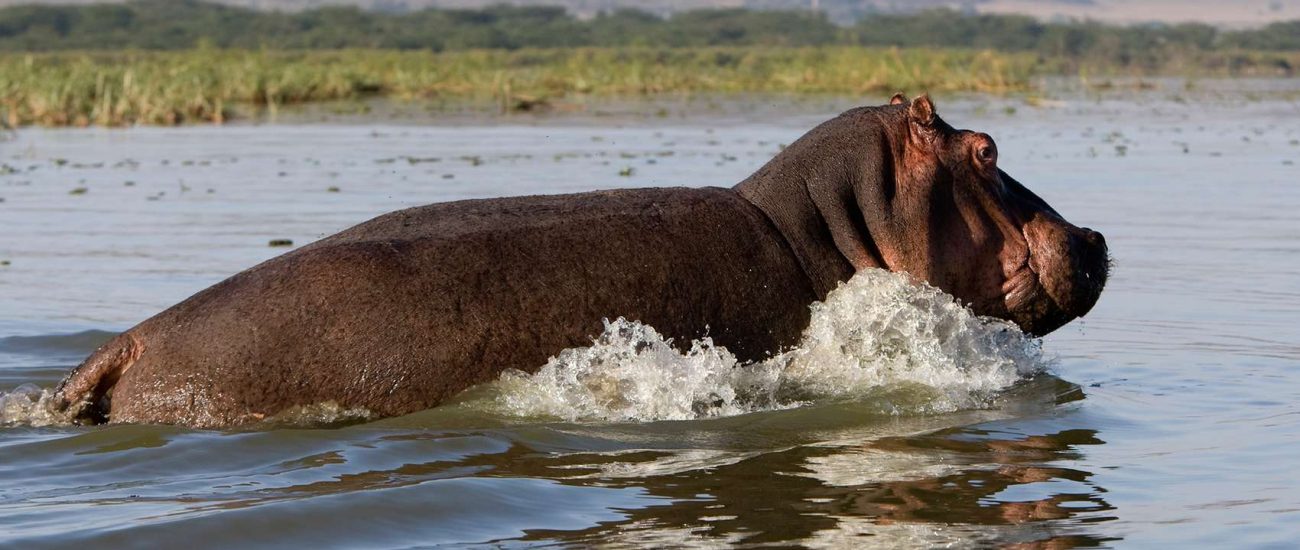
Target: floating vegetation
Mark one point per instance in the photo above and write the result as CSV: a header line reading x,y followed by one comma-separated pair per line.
x,y
280,242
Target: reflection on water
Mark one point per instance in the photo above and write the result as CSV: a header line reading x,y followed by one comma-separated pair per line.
x,y
904,496
810,474
1171,418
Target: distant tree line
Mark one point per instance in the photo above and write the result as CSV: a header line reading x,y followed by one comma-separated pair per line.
x,y
183,24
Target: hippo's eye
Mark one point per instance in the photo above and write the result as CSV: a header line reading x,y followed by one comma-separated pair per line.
x,y
983,150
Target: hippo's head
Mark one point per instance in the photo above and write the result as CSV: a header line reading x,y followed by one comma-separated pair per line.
x,y
896,187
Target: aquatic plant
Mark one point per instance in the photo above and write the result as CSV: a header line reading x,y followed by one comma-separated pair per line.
x,y
208,85
211,85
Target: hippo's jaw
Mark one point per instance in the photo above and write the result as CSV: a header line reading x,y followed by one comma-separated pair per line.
x,y
1061,277
1022,285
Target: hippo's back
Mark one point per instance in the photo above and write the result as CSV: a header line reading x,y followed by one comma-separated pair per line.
x,y
401,312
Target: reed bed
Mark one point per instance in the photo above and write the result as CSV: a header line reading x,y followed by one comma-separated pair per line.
x,y
207,85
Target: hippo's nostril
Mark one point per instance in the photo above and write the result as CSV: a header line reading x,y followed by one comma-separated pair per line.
x,y
1094,238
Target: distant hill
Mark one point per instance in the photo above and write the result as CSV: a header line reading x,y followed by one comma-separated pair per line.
x,y
1236,13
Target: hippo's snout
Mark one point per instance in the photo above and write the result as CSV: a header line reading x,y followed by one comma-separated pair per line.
x,y
1090,261
1072,264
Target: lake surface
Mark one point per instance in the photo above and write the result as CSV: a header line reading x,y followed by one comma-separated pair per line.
x,y
1168,417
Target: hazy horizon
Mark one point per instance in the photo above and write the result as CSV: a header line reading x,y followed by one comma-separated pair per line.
x,y
1240,14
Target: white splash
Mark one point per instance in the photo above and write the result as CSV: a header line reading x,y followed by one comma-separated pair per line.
x,y
319,414
878,336
632,373
29,405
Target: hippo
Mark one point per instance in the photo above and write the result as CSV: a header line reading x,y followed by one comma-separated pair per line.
x,y
402,312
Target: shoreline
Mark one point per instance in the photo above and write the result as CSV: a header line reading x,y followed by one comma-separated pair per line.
x,y
220,86
730,108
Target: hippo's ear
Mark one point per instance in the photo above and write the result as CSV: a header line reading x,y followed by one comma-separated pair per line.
x,y
921,111
898,99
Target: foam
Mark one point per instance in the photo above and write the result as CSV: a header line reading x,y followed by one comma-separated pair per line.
x,y
328,413
909,348
30,405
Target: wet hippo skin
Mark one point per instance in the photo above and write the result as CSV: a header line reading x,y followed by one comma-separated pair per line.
x,y
404,311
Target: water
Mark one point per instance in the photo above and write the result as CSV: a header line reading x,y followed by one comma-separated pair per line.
x,y
1168,417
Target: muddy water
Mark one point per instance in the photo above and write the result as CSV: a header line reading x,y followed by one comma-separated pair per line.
x,y
1168,417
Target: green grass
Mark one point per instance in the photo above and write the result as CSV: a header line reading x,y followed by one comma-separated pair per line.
x,y
208,85
58,89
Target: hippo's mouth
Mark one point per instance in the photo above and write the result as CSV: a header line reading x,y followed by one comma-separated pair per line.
x,y
1022,286
1029,303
